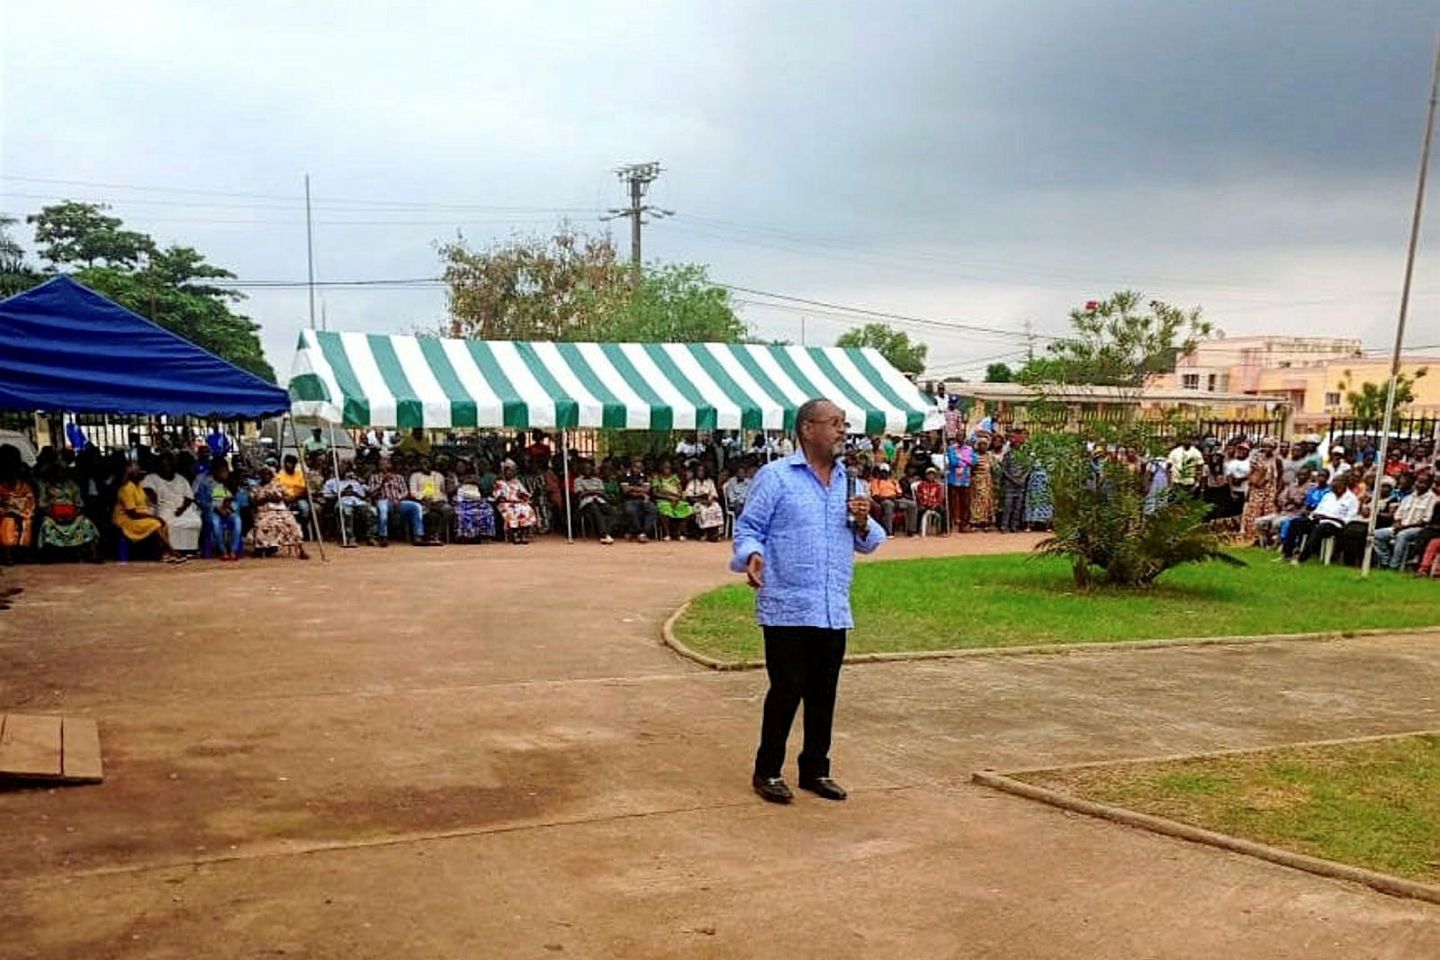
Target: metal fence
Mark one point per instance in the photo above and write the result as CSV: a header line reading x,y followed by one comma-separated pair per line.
x,y
1409,434
1162,431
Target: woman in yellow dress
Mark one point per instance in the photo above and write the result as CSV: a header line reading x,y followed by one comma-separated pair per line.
x,y
135,517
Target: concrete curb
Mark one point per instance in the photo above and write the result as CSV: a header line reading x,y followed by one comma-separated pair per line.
x,y
1383,882
667,632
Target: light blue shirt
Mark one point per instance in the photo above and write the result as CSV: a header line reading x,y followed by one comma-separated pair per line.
x,y
798,526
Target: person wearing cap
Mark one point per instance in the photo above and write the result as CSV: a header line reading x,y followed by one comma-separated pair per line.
x,y
887,497
1392,543
930,492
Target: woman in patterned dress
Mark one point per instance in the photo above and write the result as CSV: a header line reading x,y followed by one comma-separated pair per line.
x,y
275,526
982,484
1264,496
1039,500
513,500
474,517
63,524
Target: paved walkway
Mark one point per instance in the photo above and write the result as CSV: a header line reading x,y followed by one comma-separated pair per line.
x,y
486,751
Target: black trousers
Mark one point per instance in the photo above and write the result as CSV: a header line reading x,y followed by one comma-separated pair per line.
x,y
1012,507
803,664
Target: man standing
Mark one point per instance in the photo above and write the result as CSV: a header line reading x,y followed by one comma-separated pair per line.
x,y
1186,461
315,443
796,544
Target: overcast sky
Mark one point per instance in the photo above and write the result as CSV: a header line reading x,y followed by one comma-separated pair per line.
x,y
991,163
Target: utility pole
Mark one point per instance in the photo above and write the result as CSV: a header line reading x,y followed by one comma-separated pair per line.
x,y
638,177
1404,307
310,250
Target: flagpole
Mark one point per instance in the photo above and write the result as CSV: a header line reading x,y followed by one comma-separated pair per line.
x,y
1404,309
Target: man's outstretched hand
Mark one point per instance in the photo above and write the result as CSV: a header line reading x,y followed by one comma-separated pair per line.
x,y
755,570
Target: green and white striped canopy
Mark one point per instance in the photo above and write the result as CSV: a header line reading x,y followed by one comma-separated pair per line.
x,y
361,380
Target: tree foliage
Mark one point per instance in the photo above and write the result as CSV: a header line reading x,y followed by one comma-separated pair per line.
x,y
1108,527
1367,401
72,233
1119,342
571,286
999,373
16,274
905,355
173,286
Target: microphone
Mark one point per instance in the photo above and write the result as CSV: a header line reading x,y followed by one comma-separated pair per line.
x,y
849,495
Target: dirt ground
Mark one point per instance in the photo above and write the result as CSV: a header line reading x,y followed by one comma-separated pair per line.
x,y
486,751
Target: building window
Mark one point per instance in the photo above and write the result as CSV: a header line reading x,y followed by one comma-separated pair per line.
x,y
1210,383
1332,399
1190,381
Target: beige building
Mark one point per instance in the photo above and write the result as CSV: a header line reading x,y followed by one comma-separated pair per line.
x,y
1306,371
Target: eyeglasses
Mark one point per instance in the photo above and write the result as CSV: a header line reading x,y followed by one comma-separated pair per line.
x,y
833,422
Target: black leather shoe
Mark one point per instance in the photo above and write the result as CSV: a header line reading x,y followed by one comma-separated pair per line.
x,y
824,787
772,789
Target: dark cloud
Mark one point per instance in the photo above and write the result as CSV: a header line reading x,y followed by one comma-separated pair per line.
x,y
986,161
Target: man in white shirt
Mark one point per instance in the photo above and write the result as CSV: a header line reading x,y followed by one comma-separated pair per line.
x,y
1393,543
1338,507
1186,462
356,512
736,489
1237,471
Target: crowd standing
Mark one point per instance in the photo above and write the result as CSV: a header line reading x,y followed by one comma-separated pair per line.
x,y
200,495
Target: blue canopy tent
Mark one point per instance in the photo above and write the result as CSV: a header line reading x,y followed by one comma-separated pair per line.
x,y
64,347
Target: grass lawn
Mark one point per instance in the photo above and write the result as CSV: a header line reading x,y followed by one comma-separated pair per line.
x,y
953,603
1374,805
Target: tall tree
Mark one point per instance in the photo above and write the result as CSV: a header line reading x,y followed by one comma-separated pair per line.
x,y
674,303
905,355
16,273
173,286
1367,401
999,373
81,233
571,286
1119,342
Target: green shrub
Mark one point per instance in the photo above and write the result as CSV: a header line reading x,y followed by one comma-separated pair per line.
x,y
1105,524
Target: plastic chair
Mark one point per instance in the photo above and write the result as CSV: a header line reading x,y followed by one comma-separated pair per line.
x,y
1327,551
928,518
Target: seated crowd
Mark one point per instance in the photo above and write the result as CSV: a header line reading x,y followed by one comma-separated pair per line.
x,y
1288,497
202,496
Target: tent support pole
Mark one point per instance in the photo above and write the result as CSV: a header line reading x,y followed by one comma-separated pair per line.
x,y
339,492
565,466
314,517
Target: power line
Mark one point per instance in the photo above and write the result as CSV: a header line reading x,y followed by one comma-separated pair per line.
x,y
277,202
883,315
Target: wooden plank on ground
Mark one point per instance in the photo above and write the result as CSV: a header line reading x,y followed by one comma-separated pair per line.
x,y
80,750
30,746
